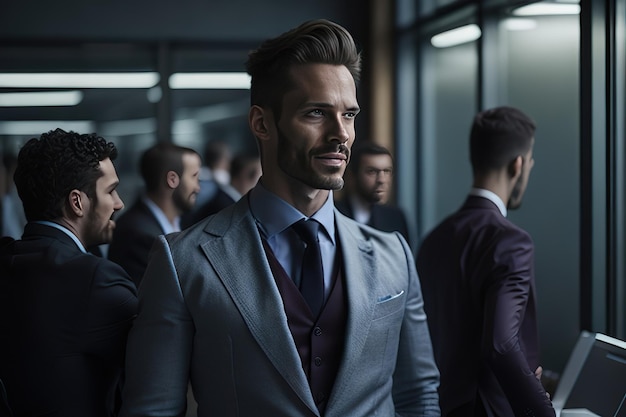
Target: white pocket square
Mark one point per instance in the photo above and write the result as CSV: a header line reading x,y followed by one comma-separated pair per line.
x,y
389,297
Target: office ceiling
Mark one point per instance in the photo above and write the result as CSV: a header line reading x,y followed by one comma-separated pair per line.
x,y
147,35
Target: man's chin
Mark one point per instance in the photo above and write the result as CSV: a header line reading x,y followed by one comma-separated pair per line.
x,y
327,183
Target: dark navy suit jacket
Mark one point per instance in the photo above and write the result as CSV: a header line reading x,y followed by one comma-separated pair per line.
x,y
135,233
477,275
64,318
383,217
220,200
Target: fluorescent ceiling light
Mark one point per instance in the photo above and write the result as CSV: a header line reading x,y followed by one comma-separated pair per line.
x,y
37,127
456,36
211,80
41,98
519,23
544,9
80,80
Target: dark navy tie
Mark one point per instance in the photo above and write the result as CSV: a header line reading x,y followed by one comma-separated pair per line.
x,y
312,277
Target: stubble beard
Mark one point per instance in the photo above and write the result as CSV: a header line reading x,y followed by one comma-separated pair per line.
x,y
100,233
183,205
293,167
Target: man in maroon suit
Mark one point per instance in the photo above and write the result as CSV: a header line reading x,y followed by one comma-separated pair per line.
x,y
477,275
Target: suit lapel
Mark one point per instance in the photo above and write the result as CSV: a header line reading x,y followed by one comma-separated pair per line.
x,y
360,279
240,262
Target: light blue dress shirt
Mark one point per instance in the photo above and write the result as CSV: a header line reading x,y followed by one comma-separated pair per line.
x,y
274,216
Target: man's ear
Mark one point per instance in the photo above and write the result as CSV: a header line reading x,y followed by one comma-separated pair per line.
x,y
515,167
258,119
172,179
76,203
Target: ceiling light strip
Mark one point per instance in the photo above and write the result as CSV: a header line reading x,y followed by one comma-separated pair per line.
x,y
79,80
458,36
547,9
210,80
44,98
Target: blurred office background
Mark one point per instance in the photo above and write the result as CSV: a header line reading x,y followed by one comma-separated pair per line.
x,y
429,66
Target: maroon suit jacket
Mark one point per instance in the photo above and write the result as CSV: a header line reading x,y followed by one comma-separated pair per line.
x,y
477,276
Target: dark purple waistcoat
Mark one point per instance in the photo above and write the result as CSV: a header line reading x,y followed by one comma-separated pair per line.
x,y
319,342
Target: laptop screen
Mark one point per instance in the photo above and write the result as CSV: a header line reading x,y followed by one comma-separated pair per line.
x,y
595,377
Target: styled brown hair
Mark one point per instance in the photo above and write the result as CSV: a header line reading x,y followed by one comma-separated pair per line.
x,y
313,42
498,136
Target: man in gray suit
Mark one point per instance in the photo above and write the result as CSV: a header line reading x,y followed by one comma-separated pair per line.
x,y
226,304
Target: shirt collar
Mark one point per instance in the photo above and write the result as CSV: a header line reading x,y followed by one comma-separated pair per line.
x,y
165,224
64,230
274,215
491,196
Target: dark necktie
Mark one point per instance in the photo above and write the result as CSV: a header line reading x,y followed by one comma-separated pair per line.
x,y
312,278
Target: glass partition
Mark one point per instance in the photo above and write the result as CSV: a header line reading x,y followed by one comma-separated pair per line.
x,y
537,62
531,62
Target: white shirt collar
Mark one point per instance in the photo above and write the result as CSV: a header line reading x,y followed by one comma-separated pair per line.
x,y
165,224
491,196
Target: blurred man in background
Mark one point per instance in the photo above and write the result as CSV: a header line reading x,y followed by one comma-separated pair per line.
x,y
170,174
245,171
368,186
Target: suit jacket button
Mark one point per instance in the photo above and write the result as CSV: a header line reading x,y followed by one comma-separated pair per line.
x,y
318,361
317,331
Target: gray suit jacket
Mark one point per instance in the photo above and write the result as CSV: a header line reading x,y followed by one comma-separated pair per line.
x,y
210,311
